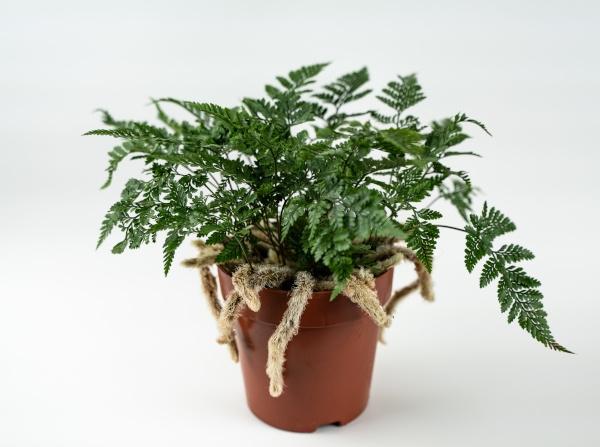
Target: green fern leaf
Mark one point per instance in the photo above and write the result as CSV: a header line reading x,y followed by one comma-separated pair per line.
x,y
172,242
108,224
345,89
231,250
490,271
512,253
303,75
517,291
292,212
422,238
119,247
481,232
116,156
227,116
402,95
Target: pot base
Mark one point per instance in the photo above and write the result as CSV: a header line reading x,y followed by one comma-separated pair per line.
x,y
308,428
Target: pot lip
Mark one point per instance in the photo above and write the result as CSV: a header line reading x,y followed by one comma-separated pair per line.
x,y
319,295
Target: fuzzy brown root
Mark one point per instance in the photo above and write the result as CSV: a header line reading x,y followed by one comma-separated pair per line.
x,y
286,329
190,263
399,295
266,275
249,281
425,283
360,290
209,287
241,282
207,254
396,297
229,314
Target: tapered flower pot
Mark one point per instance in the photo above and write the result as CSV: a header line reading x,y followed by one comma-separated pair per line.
x,y
329,363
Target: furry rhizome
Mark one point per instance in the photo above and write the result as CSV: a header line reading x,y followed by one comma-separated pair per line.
x,y
310,179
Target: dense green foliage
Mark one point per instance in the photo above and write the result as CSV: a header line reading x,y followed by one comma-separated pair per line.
x,y
322,184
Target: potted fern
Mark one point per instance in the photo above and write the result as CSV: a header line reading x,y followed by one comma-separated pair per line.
x,y
305,208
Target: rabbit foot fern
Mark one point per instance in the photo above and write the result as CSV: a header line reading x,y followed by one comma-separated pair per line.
x,y
301,179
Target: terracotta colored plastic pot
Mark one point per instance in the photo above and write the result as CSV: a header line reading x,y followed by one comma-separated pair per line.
x,y
328,365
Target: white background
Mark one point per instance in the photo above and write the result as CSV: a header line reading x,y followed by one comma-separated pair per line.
x,y
102,350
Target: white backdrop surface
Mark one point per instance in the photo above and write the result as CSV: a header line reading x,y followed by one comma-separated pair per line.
x,y
102,350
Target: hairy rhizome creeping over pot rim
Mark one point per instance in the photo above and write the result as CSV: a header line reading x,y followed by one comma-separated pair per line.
x,y
306,182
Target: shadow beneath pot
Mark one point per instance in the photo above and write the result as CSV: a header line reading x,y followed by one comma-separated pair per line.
x,y
404,406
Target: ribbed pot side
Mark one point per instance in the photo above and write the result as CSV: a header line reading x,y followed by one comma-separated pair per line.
x,y
329,363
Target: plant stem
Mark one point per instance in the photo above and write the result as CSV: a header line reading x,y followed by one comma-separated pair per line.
x,y
451,227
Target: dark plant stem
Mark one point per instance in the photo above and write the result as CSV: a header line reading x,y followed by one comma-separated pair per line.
x,y
451,228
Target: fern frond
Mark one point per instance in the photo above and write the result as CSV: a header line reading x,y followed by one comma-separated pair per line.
x,y
117,133
303,75
518,292
512,253
260,108
172,242
402,95
462,118
460,194
116,156
108,224
345,89
292,212
166,119
422,238
225,115
231,250
490,271
482,231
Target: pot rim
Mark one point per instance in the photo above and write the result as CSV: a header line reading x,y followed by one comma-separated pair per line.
x,y
318,295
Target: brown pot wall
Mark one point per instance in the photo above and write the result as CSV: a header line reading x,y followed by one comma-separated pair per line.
x,y
328,365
